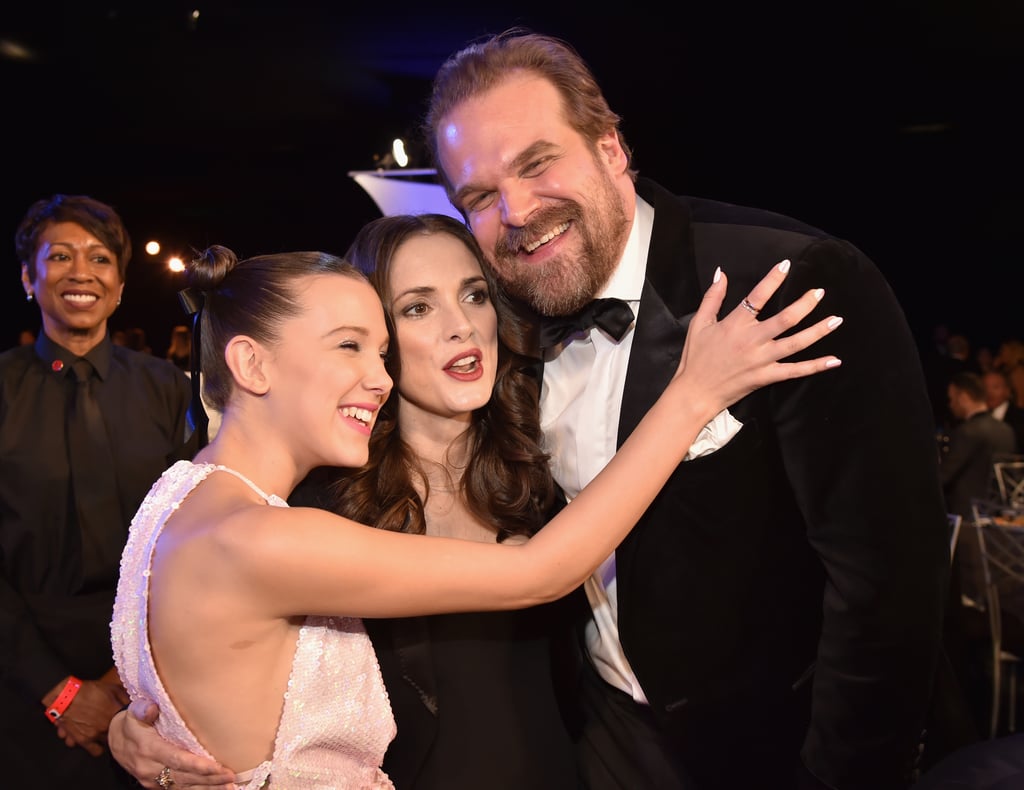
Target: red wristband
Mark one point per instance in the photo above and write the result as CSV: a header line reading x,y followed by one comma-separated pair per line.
x,y
56,710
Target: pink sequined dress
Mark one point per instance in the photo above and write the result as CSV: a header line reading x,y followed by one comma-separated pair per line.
x,y
336,722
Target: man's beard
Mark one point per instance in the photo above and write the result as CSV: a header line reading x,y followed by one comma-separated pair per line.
x,y
566,283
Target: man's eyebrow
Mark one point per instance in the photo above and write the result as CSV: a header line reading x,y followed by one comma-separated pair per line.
x,y
520,161
531,152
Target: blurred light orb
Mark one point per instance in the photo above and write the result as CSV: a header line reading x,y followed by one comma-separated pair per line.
x,y
153,247
398,151
176,264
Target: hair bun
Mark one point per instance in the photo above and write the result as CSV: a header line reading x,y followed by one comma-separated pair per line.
x,y
208,270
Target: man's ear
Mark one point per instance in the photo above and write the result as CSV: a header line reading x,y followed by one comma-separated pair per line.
x,y
245,357
609,150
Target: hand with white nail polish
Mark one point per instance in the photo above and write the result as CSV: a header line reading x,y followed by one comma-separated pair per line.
x,y
724,360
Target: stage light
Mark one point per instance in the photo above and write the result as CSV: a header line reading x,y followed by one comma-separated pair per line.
x,y
398,152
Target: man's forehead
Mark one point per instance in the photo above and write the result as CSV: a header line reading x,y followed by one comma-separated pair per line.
x,y
519,101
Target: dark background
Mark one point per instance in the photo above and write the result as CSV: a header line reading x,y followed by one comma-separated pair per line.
x,y
895,125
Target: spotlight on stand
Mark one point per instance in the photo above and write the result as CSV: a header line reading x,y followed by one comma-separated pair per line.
x,y
398,156
399,189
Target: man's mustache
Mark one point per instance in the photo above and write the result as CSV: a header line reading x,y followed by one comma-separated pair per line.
x,y
515,240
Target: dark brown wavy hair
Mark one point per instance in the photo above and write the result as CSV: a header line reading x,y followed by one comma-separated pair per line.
x,y
492,59
507,482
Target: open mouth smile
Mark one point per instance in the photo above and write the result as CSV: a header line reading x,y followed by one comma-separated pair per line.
x,y
365,416
556,231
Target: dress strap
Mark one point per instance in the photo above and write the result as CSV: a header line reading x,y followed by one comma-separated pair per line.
x,y
273,499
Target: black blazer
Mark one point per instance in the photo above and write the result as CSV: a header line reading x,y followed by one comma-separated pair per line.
x,y
806,562
477,698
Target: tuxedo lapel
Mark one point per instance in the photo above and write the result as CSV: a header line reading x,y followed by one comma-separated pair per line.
x,y
660,336
671,295
672,273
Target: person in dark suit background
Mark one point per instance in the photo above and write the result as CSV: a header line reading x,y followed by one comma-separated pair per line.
x,y
999,400
775,618
1010,360
59,549
947,355
966,473
978,437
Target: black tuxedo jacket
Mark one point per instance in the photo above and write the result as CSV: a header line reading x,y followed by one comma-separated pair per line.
x,y
783,597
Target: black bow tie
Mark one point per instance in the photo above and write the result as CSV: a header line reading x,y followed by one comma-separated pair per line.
x,y
614,316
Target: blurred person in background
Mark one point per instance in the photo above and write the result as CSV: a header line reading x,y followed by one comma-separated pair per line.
x,y
1010,360
976,439
179,350
135,339
999,399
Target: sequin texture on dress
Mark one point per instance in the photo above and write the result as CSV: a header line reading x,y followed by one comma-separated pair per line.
x,y
336,722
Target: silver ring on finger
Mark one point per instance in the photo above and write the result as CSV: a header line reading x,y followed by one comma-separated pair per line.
x,y
164,778
750,308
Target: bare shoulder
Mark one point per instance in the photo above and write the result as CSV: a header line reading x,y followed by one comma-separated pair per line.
x,y
219,519
240,530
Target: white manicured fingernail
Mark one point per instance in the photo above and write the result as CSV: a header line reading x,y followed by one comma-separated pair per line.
x,y
833,363
784,266
834,321
820,292
718,274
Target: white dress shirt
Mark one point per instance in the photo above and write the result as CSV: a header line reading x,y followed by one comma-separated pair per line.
x,y
580,402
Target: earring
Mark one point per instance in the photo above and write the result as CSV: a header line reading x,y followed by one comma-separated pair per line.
x,y
29,296
119,301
